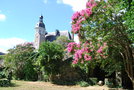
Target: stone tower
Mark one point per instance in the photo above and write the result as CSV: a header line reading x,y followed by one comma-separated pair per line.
x,y
40,32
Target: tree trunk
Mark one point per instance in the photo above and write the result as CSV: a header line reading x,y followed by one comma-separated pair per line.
x,y
129,62
133,83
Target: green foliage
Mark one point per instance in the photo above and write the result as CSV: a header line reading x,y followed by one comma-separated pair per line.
x,y
129,21
88,82
110,83
63,40
83,83
4,83
62,82
5,78
111,23
50,58
113,63
92,81
2,73
46,78
20,61
1,57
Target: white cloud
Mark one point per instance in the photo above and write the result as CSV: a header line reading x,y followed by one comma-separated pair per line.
x,y
76,39
59,1
45,1
2,17
7,43
3,50
76,5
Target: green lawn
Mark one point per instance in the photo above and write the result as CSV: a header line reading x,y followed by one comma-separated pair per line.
x,y
27,85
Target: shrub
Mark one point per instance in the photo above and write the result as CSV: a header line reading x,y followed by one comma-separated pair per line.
x,y
63,82
50,58
83,83
4,83
92,81
20,60
1,57
110,83
45,78
2,74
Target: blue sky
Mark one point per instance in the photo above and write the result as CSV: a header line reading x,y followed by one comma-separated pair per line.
x,y
19,17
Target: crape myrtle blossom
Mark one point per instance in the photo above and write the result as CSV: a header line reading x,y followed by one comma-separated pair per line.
x,y
101,47
87,57
100,50
91,4
71,47
85,52
26,43
79,17
75,16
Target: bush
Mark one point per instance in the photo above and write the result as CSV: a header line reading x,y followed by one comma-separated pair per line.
x,y
92,81
45,78
63,82
4,83
1,57
20,60
110,83
83,83
2,74
50,58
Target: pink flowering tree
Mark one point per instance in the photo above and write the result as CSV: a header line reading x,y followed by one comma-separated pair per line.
x,y
88,49
85,53
102,28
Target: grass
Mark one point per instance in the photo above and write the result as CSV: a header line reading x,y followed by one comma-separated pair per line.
x,y
24,85
38,85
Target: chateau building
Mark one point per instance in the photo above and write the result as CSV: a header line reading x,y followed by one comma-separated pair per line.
x,y
42,35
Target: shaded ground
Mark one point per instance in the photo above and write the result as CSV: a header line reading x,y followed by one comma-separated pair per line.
x,y
26,85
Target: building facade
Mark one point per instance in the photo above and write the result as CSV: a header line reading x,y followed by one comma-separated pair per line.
x,y
42,35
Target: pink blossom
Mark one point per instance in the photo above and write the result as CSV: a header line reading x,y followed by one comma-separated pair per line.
x,y
104,6
78,45
82,61
74,62
91,4
86,50
70,47
82,12
75,15
104,44
78,54
103,56
76,27
87,57
100,50
26,43
81,20
88,12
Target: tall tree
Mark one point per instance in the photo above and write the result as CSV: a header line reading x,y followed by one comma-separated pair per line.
x,y
50,58
104,21
20,61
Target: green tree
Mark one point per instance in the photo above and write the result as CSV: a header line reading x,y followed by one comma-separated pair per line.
x,y
105,21
129,20
50,58
1,57
19,61
63,40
